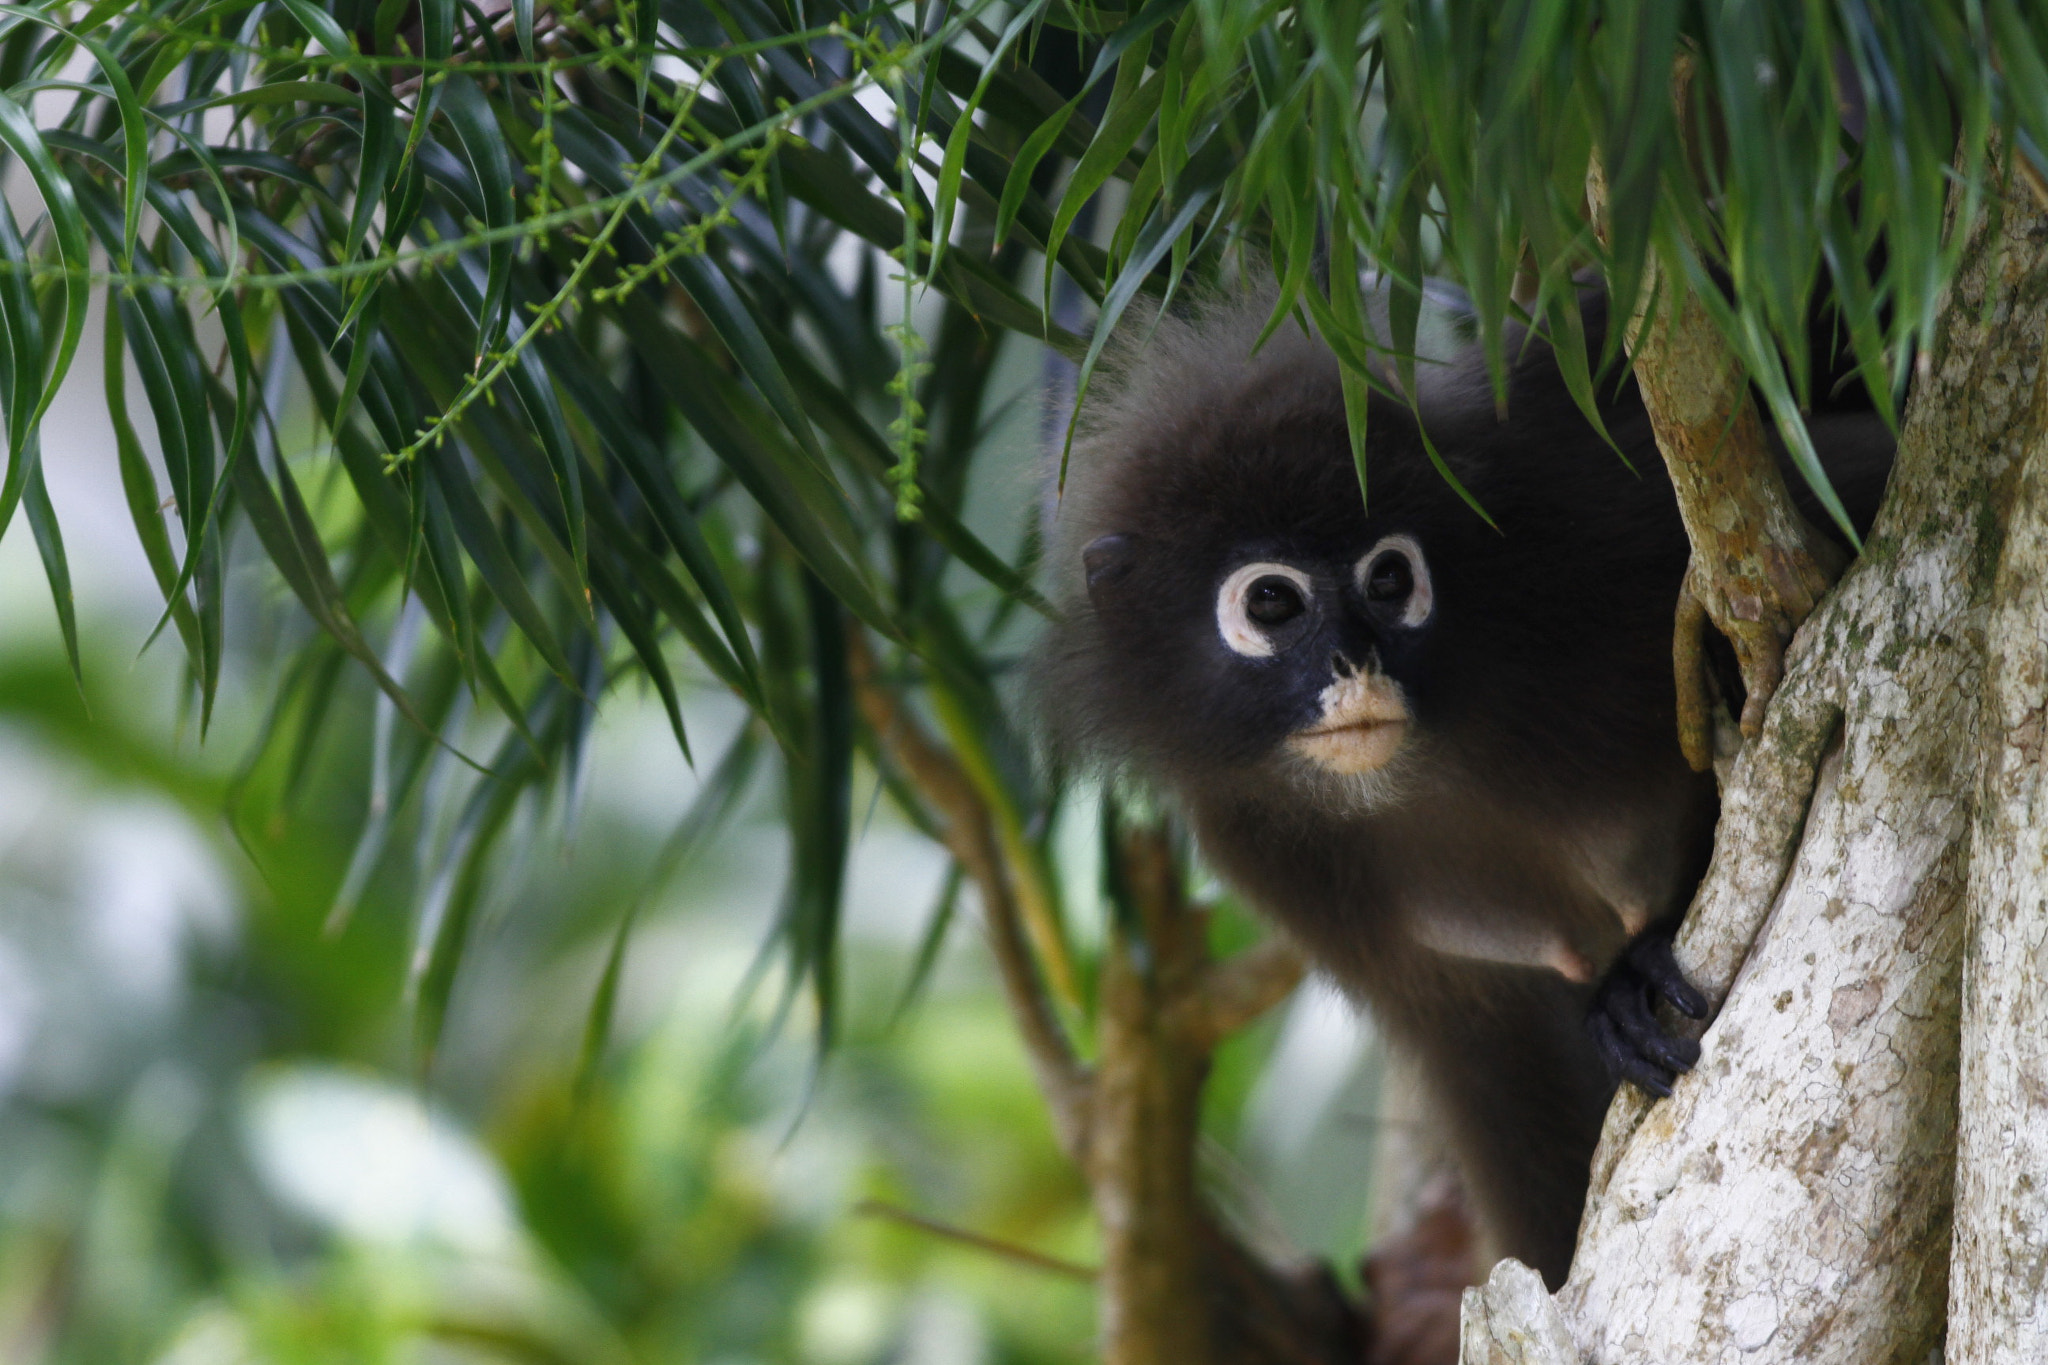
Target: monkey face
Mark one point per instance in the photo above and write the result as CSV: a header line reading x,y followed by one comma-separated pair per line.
x,y
1237,622
1290,654
1294,619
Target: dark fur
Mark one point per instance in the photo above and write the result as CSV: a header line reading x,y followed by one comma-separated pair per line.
x,y
1544,785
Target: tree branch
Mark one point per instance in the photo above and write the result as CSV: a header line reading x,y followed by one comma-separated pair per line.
x,y
1758,567
994,1246
1234,992
969,832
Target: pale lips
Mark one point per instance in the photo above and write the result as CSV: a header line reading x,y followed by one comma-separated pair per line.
x,y
1363,722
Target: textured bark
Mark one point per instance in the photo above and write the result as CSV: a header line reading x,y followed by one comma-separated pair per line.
x,y
1141,1153
1998,1311
1758,568
1792,1201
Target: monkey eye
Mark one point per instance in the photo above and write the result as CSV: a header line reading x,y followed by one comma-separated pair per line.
x,y
1390,579
1393,577
1263,607
1273,601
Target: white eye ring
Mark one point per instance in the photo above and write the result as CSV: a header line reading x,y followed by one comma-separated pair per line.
x,y
1237,629
1421,600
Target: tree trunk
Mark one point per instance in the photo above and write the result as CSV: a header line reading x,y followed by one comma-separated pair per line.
x,y
1997,1312
1793,1201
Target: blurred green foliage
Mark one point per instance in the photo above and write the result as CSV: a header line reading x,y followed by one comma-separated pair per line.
x,y
235,1160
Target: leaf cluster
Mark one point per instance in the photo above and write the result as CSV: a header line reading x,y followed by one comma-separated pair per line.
x,y
542,347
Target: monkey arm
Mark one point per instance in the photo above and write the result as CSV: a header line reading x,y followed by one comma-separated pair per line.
x,y
1526,942
1621,1020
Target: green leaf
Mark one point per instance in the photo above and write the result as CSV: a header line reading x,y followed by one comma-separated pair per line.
x,y
1026,164
288,539
42,520
134,129
733,319
320,26
955,161
603,407
1131,109
852,433
1347,309
929,944
21,331
1204,180
522,24
450,490
374,166
32,400
483,146
814,518
138,482
821,799
452,896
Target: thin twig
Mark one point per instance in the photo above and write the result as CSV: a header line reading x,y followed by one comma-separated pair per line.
x,y
549,36
1234,992
1009,1251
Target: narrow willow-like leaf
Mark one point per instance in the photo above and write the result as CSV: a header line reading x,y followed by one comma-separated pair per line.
x,y
21,331
811,520
134,127
1347,309
320,26
851,432
1131,109
602,405
954,163
821,798
483,146
18,133
302,561
138,483
42,520
929,943
452,491
374,165
522,27
452,899
1026,165
1198,189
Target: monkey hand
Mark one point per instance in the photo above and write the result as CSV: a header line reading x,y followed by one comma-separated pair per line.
x,y
1624,1027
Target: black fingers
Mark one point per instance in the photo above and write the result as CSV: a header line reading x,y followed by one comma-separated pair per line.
x,y
1623,1062
1629,1010
1651,954
1623,1024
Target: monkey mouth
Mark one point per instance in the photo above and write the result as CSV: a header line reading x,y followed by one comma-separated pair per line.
x,y
1360,748
1363,722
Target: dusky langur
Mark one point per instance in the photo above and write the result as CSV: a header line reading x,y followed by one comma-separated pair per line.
x,y
1442,755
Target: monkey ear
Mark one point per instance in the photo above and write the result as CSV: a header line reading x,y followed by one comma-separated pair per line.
x,y
1106,560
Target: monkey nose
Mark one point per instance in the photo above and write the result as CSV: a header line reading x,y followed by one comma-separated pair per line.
x,y
1355,659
